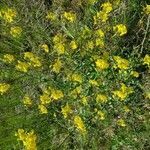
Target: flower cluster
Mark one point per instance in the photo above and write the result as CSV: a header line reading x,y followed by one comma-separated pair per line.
x,y
32,59
59,45
4,88
69,16
47,97
146,60
79,124
28,139
22,66
8,14
66,110
123,92
121,63
27,100
147,9
102,64
15,31
103,15
44,47
100,115
8,58
120,29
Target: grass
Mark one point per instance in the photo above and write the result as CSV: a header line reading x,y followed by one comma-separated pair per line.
x,y
53,130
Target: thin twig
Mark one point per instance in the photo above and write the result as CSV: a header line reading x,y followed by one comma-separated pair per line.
x,y
147,27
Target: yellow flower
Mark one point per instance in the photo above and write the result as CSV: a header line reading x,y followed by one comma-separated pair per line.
x,y
8,14
74,93
79,124
56,94
121,62
100,16
76,77
78,89
147,94
42,109
102,64
93,82
8,58
90,45
34,60
30,144
51,16
100,33
21,134
84,100
4,88
146,60
66,111
28,139
121,122
59,47
57,66
123,92
135,74
147,9
106,7
45,98
28,55
100,42
124,88
101,98
58,38
22,66
70,16
27,100
15,31
73,45
120,94
120,29
100,115
44,47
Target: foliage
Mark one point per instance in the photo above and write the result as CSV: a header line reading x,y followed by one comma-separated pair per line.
x,y
74,74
